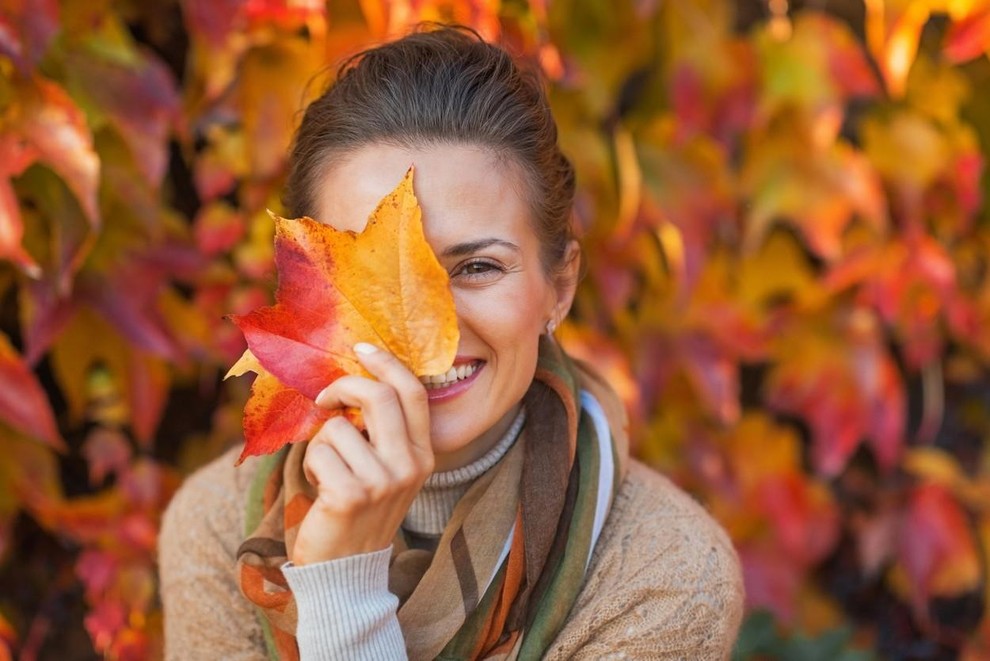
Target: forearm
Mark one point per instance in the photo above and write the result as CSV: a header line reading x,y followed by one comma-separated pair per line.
x,y
345,610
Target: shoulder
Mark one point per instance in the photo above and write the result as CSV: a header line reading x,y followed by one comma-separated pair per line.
x,y
652,508
664,581
205,614
209,506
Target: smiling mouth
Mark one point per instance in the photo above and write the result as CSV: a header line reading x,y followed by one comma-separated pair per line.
x,y
452,376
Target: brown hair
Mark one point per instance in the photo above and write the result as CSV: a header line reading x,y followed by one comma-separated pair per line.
x,y
433,87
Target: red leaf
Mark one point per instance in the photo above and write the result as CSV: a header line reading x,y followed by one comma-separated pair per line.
x,y
147,395
218,227
295,346
770,583
911,283
715,374
213,21
806,522
288,14
844,384
141,101
97,570
23,403
107,451
276,415
847,63
968,37
132,310
12,231
103,623
148,485
26,29
936,546
45,313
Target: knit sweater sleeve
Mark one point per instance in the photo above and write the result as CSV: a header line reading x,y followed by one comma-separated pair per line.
x,y
346,612
345,608
206,617
664,583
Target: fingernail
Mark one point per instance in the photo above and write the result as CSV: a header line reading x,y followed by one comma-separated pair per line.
x,y
364,348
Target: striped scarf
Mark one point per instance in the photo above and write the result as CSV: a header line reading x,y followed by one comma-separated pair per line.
x,y
507,570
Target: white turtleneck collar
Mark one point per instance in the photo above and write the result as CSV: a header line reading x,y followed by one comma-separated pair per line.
x,y
434,505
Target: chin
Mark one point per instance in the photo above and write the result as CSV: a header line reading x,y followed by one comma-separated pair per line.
x,y
448,443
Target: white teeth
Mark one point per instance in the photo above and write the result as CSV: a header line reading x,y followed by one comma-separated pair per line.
x,y
452,375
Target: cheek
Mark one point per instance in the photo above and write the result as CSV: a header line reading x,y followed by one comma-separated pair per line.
x,y
509,320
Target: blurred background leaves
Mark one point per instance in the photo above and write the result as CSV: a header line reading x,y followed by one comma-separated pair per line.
x,y
783,208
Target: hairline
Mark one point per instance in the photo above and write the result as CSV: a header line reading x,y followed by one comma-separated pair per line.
x,y
521,178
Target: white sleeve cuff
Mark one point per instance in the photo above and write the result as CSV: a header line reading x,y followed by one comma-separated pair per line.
x,y
345,609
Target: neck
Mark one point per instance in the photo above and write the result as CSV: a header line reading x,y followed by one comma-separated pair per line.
x,y
433,506
479,447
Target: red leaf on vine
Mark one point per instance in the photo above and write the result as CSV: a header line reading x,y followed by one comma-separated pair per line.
x,y
23,403
936,547
968,37
26,29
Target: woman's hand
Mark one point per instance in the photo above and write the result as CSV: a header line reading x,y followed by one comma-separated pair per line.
x,y
365,487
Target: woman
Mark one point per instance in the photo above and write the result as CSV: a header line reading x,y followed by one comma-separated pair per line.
x,y
494,514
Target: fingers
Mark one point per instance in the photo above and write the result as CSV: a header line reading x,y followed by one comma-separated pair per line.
x,y
396,388
355,452
326,470
360,503
345,468
365,488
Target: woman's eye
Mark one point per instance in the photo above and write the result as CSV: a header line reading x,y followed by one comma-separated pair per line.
x,y
478,270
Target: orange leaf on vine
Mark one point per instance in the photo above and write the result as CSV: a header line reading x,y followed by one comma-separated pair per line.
x,y
336,288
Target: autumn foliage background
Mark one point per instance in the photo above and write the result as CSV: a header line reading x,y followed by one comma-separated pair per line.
x,y
787,241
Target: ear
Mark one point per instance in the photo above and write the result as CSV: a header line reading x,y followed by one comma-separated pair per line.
x,y
565,283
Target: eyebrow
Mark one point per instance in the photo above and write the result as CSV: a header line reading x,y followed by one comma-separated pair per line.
x,y
469,247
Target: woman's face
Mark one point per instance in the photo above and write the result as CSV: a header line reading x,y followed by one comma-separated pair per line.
x,y
479,224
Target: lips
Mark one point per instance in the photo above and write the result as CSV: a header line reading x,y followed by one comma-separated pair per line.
x,y
454,375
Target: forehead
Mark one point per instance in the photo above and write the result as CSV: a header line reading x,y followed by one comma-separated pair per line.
x,y
464,190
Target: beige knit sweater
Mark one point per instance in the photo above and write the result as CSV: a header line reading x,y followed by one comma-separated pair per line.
x,y
664,581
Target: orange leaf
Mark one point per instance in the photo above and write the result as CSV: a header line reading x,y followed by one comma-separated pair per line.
x,y
56,127
893,29
336,288
7,639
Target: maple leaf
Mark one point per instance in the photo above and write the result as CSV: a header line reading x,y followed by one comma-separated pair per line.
x,y
383,285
